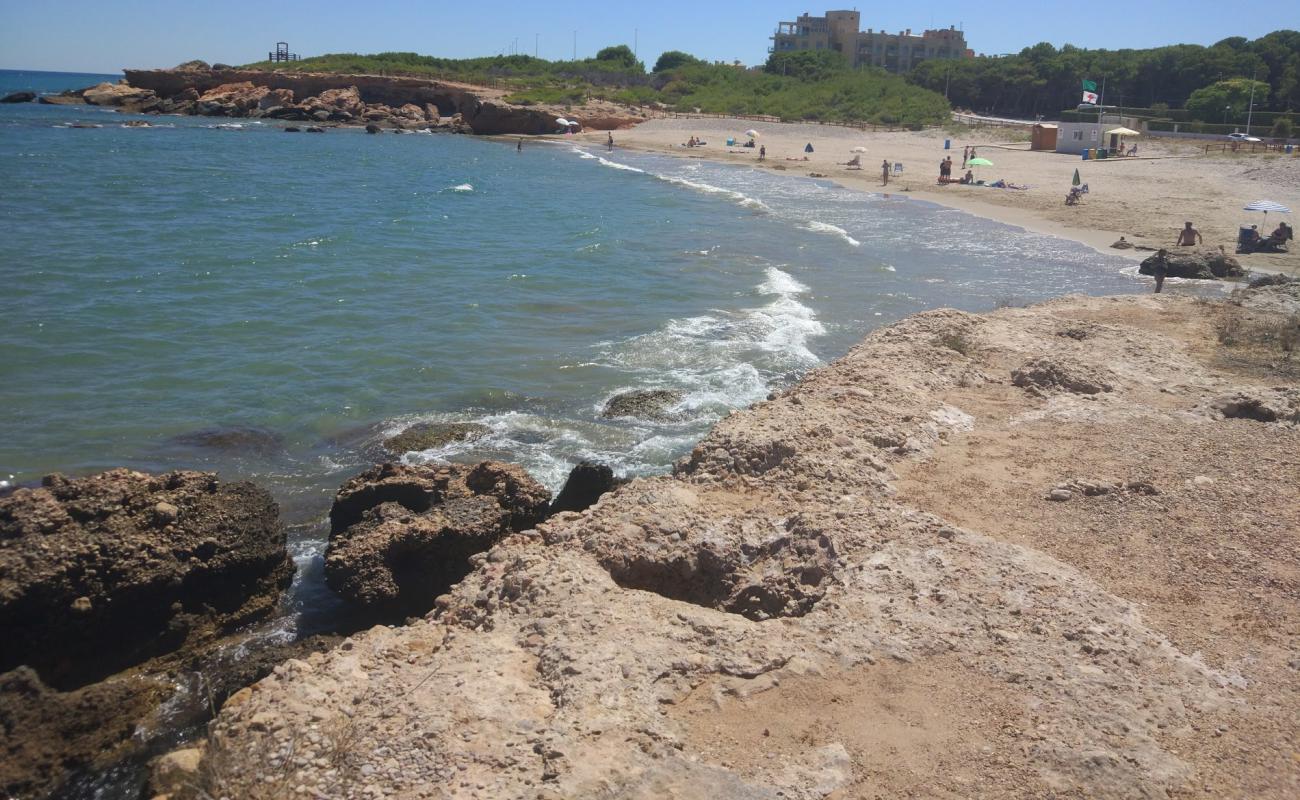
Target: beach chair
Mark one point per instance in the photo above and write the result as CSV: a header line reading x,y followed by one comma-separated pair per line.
x,y
854,163
898,168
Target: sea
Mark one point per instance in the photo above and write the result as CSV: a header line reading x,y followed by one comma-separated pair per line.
x,y
220,295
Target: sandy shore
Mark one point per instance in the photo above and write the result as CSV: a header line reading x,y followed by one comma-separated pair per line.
x,y
1144,199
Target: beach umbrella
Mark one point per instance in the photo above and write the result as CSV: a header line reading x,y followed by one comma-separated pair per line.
x,y
1266,206
979,162
858,149
1075,180
1123,132
751,133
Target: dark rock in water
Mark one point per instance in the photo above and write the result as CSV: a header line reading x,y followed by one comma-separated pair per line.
x,y
103,572
47,735
373,128
644,403
292,129
402,535
62,99
427,435
18,97
314,129
1276,279
1200,264
585,484
233,439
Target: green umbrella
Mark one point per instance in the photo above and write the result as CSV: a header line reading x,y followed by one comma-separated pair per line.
x,y
979,162
1075,182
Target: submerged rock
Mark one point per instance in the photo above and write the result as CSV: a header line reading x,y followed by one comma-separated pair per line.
x,y
402,535
1199,264
233,439
428,435
103,572
645,403
18,97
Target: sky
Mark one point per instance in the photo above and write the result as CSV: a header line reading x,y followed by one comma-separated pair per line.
x,y
108,35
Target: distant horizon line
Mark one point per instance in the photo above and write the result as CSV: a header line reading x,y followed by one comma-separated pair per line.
x,y
59,71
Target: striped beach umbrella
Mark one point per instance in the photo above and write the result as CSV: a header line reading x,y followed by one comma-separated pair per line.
x,y
1267,206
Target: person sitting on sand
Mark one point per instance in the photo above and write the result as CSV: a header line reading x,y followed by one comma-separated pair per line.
x,y
968,178
1281,233
1123,244
854,163
1188,236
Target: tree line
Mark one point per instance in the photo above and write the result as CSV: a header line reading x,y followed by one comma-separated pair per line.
x,y
1045,80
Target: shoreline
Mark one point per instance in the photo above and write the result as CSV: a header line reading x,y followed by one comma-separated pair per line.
x,y
1139,195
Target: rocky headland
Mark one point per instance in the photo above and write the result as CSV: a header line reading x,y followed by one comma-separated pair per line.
x,y
379,102
1040,552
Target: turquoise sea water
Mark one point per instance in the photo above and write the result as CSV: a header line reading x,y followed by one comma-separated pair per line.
x,y
323,291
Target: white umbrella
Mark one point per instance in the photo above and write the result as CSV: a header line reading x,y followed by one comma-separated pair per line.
x,y
751,133
1266,206
858,149
562,121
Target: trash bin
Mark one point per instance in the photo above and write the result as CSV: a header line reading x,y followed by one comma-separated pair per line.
x,y
947,145
1085,155
1102,153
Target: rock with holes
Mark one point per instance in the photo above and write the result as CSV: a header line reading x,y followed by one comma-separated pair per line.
x,y
403,534
1280,405
643,403
586,483
103,572
1044,375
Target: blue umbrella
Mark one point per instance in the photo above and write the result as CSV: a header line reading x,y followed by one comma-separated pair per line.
x,y
1266,206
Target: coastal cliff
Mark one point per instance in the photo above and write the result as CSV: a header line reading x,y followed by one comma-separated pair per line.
x,y
1044,551
196,88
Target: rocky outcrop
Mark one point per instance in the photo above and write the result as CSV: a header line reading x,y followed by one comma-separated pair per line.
x,y
402,102
18,97
119,94
649,404
1205,264
1042,375
723,632
402,535
428,435
103,572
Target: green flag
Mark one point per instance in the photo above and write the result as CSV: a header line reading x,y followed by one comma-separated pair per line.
x,y
1089,86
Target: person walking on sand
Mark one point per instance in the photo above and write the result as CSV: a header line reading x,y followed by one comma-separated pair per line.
x,y
884,172
762,153
965,156
609,143
1188,236
1160,268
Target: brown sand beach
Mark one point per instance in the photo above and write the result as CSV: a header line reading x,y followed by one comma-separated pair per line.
x,y
1145,199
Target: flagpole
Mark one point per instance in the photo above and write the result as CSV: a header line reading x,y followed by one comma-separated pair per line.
x,y
1101,109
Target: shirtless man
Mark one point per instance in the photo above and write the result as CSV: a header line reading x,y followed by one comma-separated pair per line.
x,y
1188,236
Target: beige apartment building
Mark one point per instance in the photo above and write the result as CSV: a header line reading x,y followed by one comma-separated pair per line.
x,y
841,31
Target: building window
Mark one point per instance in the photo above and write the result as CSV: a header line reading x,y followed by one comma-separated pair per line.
x,y
1078,136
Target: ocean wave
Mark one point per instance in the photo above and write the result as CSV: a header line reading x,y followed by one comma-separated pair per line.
x,y
707,188
605,162
825,227
779,282
462,188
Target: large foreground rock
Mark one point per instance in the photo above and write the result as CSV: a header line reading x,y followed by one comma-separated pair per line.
x,y
102,572
116,94
1208,264
780,618
402,535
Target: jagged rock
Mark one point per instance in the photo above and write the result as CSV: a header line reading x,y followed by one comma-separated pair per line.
x,y
286,112
103,572
115,94
175,772
234,99
348,100
1205,264
645,403
373,128
402,535
1259,404
428,435
1061,373
62,99
275,98
197,65
18,97
586,483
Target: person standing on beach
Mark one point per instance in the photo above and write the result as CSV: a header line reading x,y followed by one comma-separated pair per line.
x,y
1160,268
965,156
610,142
1188,236
884,172
519,146
762,153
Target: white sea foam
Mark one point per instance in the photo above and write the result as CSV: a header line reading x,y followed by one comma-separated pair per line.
x,y
463,188
779,282
605,162
708,188
834,230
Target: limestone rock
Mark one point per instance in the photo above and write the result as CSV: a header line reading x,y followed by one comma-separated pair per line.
x,y
1207,264
115,94
1061,373
102,572
586,483
428,435
649,404
402,535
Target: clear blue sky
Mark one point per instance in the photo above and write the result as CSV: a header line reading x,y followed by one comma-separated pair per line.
x,y
106,35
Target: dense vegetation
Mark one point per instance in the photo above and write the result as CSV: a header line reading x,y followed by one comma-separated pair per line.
x,y
1044,80
807,86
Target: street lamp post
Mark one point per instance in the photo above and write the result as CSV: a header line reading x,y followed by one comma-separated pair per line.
x,y
1226,111
1251,109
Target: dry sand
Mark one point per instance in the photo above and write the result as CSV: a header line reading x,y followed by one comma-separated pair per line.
x,y
1145,199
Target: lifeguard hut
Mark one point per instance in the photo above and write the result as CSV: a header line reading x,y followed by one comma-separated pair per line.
x,y
281,53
